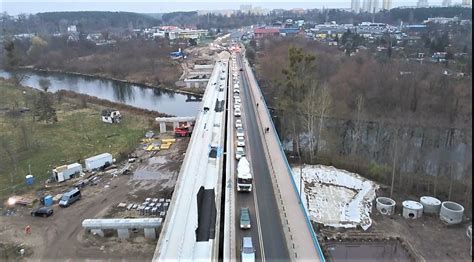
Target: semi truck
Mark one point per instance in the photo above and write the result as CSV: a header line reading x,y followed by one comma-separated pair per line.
x,y
98,162
244,176
65,172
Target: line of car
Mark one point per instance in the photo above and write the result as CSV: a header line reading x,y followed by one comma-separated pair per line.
x,y
247,249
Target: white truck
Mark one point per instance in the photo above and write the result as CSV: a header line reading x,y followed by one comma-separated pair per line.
x,y
65,172
98,162
244,176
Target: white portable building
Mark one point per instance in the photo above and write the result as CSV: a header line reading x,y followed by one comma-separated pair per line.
x,y
65,172
96,162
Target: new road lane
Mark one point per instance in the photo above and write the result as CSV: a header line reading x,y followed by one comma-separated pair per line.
x,y
273,238
242,199
302,242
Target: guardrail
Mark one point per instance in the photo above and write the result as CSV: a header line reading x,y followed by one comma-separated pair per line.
x,y
290,171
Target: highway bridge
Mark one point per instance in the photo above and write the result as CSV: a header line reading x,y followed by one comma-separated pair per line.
x,y
203,221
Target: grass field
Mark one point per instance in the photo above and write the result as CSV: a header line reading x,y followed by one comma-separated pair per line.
x,y
78,134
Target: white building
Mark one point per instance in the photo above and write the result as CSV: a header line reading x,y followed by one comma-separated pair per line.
x,y
446,3
245,8
467,2
72,29
355,6
370,6
387,4
422,3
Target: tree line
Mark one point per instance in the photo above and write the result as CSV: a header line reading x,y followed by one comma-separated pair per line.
x,y
135,60
85,21
96,21
331,108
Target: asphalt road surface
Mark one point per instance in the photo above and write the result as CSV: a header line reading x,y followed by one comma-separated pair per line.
x,y
273,239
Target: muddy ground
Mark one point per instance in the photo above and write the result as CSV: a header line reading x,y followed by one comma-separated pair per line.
x,y
426,238
61,236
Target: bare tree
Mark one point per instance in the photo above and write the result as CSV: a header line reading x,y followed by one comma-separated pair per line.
x,y
324,101
394,160
44,84
309,116
17,78
358,123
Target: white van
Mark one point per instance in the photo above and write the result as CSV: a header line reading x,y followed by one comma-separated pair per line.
x,y
247,250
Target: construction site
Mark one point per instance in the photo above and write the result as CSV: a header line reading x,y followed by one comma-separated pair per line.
x,y
361,223
123,190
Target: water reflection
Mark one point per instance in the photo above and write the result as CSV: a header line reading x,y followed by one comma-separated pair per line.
x,y
134,95
123,92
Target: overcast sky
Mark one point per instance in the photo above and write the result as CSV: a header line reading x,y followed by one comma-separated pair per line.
x,y
15,7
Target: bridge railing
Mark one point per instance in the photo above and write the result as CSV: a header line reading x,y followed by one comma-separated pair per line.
x,y
290,171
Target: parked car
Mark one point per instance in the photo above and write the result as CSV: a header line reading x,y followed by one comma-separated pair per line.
x,y
239,152
238,123
70,197
247,251
241,141
237,112
240,132
244,218
42,211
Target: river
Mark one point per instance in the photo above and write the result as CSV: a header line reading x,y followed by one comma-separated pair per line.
x,y
155,99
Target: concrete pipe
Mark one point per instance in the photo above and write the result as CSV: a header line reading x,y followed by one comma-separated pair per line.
x,y
385,205
451,212
412,209
431,205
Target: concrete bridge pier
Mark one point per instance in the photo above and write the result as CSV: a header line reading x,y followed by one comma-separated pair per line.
x,y
150,233
99,232
123,233
162,127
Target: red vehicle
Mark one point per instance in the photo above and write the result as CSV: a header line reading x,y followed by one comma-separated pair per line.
x,y
183,131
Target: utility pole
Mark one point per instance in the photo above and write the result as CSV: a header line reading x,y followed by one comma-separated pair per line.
x,y
393,164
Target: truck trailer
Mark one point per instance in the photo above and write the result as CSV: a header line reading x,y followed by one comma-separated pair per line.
x,y
65,172
244,176
98,162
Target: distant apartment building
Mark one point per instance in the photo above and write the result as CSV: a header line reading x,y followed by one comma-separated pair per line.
x,y
370,6
422,3
298,11
260,10
387,4
245,8
446,3
355,6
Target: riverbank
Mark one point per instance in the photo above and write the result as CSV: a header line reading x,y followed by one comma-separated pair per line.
x,y
186,91
106,103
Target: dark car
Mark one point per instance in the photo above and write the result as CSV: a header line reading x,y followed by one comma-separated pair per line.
x,y
244,218
42,212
